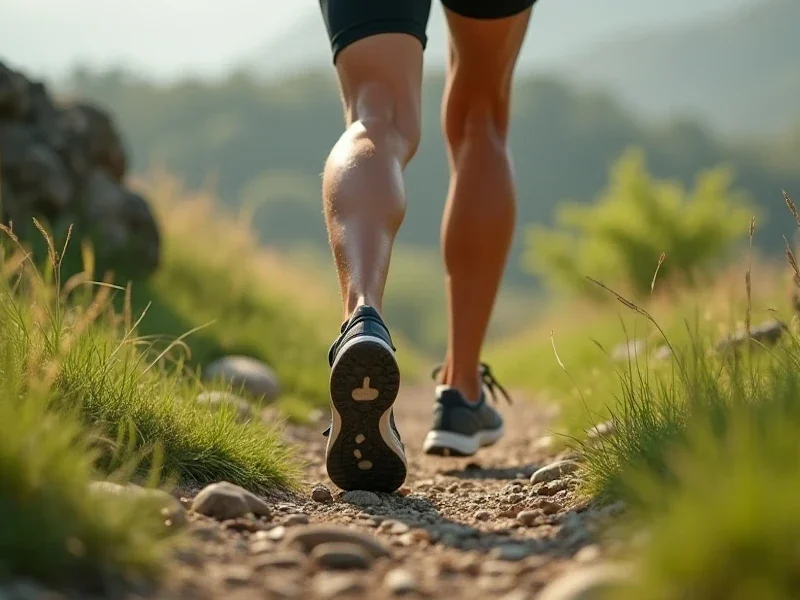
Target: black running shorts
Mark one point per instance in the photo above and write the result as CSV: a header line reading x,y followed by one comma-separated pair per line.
x,y
351,20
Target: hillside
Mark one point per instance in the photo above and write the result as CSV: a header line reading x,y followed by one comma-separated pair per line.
x,y
263,146
740,72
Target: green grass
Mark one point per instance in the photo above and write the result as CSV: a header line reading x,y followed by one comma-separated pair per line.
x,y
50,449
706,450
565,356
708,462
53,530
706,456
84,397
235,297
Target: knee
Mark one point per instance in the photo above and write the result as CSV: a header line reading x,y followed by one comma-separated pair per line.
x,y
389,118
474,116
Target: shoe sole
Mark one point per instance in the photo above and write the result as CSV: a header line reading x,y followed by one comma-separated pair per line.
x,y
448,443
363,451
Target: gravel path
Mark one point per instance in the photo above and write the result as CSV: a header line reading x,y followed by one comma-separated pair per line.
x,y
464,528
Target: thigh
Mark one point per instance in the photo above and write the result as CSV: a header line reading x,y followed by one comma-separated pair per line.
x,y
488,9
484,51
349,21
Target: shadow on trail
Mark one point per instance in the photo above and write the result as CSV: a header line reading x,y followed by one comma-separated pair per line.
x,y
474,470
553,537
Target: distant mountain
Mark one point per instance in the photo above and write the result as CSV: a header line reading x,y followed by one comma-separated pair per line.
x,y
560,29
742,72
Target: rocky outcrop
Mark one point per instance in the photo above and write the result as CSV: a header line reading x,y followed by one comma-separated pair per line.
x,y
64,163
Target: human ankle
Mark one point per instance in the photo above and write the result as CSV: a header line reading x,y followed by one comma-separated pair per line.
x,y
468,387
355,301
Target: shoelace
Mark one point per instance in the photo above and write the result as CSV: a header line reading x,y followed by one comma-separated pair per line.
x,y
487,379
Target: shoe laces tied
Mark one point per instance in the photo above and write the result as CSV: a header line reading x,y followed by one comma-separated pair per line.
x,y
487,379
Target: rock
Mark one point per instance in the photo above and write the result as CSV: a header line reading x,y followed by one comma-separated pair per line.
x,y
554,471
287,559
225,500
261,546
236,575
206,533
394,527
243,524
482,515
309,537
321,494
247,373
220,503
601,430
415,536
400,582
340,555
334,585
283,590
122,226
169,507
544,443
587,554
510,552
587,583
546,506
64,164
361,498
33,170
92,140
296,519
527,517
217,400
276,534
551,488
14,94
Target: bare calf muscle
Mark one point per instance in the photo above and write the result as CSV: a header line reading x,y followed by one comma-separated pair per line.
x,y
377,49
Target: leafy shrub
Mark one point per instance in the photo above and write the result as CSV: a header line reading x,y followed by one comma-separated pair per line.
x,y
620,237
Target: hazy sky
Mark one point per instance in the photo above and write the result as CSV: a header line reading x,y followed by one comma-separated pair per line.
x,y
167,37
160,36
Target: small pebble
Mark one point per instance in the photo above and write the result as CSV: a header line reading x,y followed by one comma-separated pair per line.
x,y
261,546
276,534
510,552
296,519
527,517
401,582
339,555
587,554
321,494
482,515
237,575
394,527
287,559
547,507
335,585
554,471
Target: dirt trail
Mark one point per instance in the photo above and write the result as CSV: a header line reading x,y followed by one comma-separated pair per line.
x,y
460,527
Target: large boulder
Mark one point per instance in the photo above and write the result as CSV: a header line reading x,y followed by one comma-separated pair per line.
x,y
65,164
